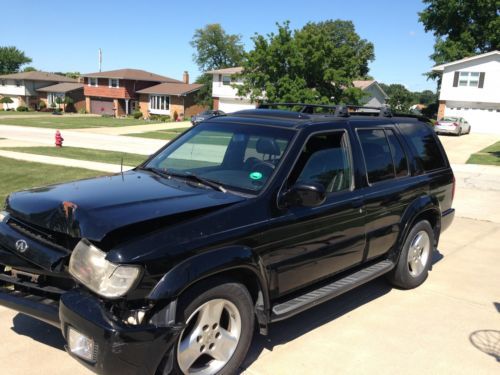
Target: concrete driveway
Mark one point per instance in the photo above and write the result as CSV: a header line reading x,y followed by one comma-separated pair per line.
x,y
451,324
460,148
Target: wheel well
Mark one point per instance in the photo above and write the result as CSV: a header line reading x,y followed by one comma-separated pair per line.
x,y
242,275
433,218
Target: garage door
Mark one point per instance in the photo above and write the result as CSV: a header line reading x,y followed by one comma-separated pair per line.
x,y
101,107
482,120
233,105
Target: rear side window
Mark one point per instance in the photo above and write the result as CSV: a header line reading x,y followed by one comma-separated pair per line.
x,y
422,142
377,154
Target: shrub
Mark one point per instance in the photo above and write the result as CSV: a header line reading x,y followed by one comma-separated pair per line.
x,y
154,117
82,111
22,108
164,118
42,105
137,114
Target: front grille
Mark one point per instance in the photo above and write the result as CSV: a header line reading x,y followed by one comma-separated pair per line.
x,y
56,240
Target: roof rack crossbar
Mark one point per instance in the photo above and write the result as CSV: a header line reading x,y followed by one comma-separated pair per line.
x,y
338,110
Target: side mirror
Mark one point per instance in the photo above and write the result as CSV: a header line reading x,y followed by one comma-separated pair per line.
x,y
305,194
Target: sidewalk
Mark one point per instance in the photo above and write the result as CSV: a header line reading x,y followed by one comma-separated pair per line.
x,y
78,138
134,129
54,160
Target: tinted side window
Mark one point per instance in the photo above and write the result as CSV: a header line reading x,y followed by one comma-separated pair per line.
x,y
324,160
377,154
422,142
398,155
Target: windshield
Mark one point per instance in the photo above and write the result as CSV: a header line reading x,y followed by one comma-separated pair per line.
x,y
449,119
239,157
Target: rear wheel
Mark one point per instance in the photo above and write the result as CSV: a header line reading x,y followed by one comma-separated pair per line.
x,y
219,324
415,259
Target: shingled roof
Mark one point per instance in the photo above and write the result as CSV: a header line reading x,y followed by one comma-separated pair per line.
x,y
38,76
132,74
62,87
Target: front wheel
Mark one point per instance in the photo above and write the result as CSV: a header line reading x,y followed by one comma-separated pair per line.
x,y
219,325
415,259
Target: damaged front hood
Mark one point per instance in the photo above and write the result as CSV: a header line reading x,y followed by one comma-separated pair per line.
x,y
95,207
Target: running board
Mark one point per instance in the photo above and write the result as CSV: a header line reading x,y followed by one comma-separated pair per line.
x,y
296,305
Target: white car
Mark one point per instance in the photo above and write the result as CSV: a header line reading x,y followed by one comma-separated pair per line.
x,y
452,125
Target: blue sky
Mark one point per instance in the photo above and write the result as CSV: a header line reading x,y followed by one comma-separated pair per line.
x,y
155,35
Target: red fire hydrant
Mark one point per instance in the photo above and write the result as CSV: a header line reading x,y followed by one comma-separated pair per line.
x,y
59,139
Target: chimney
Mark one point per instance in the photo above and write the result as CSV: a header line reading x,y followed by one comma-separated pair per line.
x,y
185,77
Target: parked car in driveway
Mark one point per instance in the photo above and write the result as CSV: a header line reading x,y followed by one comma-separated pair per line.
x,y
241,221
452,125
205,115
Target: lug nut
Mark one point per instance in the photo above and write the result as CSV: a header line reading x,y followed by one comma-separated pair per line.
x,y
198,339
211,347
205,327
217,335
202,348
215,326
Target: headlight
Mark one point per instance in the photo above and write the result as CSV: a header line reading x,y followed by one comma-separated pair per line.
x,y
88,265
3,215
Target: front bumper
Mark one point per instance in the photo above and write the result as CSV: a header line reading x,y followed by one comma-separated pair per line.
x,y
119,348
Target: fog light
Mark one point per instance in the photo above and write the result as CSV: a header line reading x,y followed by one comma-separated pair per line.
x,y
80,345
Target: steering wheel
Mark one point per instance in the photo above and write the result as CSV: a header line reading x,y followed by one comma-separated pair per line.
x,y
250,163
264,167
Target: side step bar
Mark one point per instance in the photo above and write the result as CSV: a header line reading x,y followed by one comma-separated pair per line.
x,y
296,305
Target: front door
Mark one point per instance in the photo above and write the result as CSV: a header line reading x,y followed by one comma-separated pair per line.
x,y
323,240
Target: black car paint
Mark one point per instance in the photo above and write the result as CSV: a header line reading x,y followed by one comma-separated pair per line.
x,y
182,234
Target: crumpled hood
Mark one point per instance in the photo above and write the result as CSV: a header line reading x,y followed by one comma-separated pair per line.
x,y
92,208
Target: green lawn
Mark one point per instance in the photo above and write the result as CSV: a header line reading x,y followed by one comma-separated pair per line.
x,y
18,175
160,134
490,155
70,122
110,157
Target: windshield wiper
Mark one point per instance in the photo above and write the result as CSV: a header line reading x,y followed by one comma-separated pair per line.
x,y
188,176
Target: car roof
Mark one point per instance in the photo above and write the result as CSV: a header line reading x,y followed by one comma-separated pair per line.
x,y
299,120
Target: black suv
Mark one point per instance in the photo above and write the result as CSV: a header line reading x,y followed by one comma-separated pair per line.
x,y
241,221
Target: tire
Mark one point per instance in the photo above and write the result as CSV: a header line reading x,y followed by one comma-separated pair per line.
x,y
204,336
459,132
409,273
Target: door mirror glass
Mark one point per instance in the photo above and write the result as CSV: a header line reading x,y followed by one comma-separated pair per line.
x,y
305,194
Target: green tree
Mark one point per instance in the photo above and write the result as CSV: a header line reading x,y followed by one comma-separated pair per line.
x,y
426,97
462,28
74,75
30,69
400,98
315,64
6,100
11,59
214,49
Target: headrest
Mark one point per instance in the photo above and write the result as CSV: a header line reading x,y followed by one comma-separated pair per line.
x,y
267,146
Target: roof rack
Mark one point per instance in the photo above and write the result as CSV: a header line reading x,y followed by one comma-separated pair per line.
x,y
339,110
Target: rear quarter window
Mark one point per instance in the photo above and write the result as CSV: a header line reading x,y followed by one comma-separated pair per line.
x,y
422,142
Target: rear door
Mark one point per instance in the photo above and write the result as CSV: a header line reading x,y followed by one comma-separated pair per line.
x,y
388,188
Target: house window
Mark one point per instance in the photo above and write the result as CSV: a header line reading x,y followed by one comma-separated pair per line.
x,y
52,98
159,103
93,82
469,79
114,83
18,83
226,80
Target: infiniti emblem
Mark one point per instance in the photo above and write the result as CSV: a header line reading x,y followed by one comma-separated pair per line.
x,y
21,246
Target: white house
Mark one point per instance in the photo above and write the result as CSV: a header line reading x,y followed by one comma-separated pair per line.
x,y
225,96
470,88
375,96
23,87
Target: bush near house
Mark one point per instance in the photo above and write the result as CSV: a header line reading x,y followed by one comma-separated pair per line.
x,y
22,108
137,115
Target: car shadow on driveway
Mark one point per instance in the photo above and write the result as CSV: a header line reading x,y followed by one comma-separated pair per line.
x,y
292,328
38,330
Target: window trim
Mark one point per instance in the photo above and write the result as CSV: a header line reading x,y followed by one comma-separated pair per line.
x,y
110,80
96,82
157,110
352,186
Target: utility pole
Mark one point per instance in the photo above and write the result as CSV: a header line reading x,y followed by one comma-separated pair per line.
x,y
100,59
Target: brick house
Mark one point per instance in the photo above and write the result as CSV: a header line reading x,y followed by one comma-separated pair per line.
x,y
49,95
169,98
115,92
23,88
